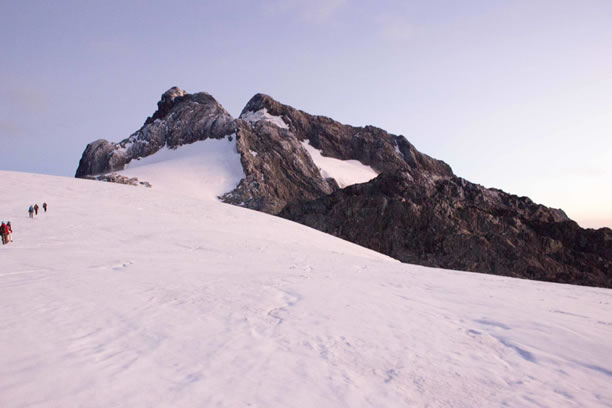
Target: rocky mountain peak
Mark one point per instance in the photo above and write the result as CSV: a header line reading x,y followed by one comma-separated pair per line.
x,y
369,145
181,118
262,101
176,96
416,210
172,93
166,103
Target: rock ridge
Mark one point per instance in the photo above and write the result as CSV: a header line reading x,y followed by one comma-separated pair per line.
x,y
452,223
181,118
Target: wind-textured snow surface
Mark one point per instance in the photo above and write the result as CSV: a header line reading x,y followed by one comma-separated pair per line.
x,y
124,296
345,172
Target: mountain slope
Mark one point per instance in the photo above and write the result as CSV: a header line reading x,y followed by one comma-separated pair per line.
x,y
455,224
129,296
302,167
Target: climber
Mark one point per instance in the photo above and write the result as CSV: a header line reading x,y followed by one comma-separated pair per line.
x,y
4,233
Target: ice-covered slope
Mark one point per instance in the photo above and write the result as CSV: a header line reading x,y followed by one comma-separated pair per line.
x,y
205,169
124,296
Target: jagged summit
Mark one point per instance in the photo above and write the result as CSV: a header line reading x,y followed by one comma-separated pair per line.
x,y
175,95
262,101
166,103
172,94
181,118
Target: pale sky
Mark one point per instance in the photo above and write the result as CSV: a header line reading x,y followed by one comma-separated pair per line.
x,y
512,94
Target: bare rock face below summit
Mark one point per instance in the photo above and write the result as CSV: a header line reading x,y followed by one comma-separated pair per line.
x,y
417,210
452,223
277,167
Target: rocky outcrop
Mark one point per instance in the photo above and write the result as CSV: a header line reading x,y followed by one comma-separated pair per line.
x,y
280,171
120,179
99,157
181,118
269,134
370,145
277,167
452,223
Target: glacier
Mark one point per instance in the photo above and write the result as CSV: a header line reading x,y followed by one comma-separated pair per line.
x,y
129,296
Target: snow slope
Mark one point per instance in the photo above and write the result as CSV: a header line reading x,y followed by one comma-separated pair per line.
x,y
206,169
124,296
264,115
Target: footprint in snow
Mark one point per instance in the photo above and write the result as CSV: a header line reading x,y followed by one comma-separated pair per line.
x,y
122,265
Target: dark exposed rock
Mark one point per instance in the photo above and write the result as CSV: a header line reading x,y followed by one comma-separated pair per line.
x,y
452,223
370,145
279,170
277,167
181,118
119,179
100,156
166,103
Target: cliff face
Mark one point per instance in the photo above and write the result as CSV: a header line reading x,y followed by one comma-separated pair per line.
x,y
370,145
416,210
277,167
280,171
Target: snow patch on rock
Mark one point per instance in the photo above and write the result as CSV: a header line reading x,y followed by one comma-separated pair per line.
x,y
263,114
345,172
208,168
397,149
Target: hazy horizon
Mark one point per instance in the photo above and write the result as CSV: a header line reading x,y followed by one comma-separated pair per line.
x,y
512,95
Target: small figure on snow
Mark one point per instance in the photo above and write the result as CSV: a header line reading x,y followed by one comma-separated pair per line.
x,y
36,209
45,207
31,212
4,233
10,231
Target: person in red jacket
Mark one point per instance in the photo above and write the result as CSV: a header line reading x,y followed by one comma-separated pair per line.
x,y
4,233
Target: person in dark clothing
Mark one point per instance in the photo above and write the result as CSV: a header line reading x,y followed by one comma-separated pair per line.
x,y
36,209
4,233
45,207
31,212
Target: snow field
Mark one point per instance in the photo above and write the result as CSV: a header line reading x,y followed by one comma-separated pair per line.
x,y
206,169
136,297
